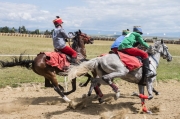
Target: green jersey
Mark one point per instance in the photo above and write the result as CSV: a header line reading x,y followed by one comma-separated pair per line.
x,y
130,39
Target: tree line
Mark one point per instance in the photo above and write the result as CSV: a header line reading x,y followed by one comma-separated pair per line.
x,y
23,30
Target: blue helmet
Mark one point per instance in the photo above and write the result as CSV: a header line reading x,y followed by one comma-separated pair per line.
x,y
137,29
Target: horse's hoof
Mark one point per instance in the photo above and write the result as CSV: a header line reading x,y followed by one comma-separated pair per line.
x,y
84,95
72,105
101,100
149,112
150,97
117,95
81,84
89,94
157,93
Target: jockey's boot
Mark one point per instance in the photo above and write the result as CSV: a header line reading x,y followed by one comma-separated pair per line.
x,y
147,71
74,61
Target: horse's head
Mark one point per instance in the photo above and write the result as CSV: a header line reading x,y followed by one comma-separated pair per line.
x,y
84,37
79,40
163,50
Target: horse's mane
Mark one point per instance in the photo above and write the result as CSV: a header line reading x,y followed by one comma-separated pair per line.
x,y
18,61
76,41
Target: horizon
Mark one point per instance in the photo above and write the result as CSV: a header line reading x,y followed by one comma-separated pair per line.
x,y
111,33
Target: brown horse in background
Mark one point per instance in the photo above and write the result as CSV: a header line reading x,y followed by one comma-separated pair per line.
x,y
40,67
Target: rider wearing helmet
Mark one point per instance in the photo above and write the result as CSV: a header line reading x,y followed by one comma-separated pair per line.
x,y
127,46
118,41
60,38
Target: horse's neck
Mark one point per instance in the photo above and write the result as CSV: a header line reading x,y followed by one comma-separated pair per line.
x,y
81,54
79,47
156,58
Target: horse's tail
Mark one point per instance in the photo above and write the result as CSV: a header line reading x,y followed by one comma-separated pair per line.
x,y
83,68
17,61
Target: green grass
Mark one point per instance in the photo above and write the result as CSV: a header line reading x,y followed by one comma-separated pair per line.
x,y
14,76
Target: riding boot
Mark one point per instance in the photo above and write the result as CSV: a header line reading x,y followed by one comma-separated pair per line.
x,y
74,61
148,73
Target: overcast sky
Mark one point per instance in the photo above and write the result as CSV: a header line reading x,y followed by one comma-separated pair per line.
x,y
94,16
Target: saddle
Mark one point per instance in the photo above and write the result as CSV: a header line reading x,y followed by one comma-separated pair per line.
x,y
131,62
69,59
58,60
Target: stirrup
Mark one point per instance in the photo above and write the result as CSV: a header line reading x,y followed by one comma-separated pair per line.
x,y
150,75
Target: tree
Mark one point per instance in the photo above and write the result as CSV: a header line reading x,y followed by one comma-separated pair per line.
x,y
47,32
5,29
37,31
12,30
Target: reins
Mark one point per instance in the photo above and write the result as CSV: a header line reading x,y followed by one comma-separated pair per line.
x,y
85,37
164,49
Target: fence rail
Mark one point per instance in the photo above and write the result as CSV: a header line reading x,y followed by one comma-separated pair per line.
x,y
25,35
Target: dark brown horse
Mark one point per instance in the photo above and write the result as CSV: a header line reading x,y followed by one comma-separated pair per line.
x,y
40,67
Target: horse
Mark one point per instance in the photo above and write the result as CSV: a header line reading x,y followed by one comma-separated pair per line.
x,y
110,66
79,46
40,66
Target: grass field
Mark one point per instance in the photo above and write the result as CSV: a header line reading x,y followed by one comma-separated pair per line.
x,y
10,45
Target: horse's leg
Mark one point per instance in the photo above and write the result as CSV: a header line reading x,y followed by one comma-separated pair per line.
x,y
99,93
108,79
155,91
94,85
89,78
141,91
52,77
73,83
48,83
86,83
149,88
96,88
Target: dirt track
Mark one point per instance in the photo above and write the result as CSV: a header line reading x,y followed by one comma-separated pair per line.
x,y
34,101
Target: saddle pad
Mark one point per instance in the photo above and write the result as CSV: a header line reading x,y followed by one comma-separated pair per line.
x,y
130,62
57,60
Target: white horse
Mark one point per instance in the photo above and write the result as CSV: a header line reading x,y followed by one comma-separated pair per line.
x,y
110,67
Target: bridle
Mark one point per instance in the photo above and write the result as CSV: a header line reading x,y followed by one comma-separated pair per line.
x,y
164,51
85,38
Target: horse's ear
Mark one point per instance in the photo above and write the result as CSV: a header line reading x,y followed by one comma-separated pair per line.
x,y
162,41
79,31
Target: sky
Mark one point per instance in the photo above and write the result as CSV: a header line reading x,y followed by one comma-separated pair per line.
x,y
156,17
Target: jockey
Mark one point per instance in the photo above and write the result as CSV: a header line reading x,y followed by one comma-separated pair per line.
x,y
117,42
127,46
60,38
